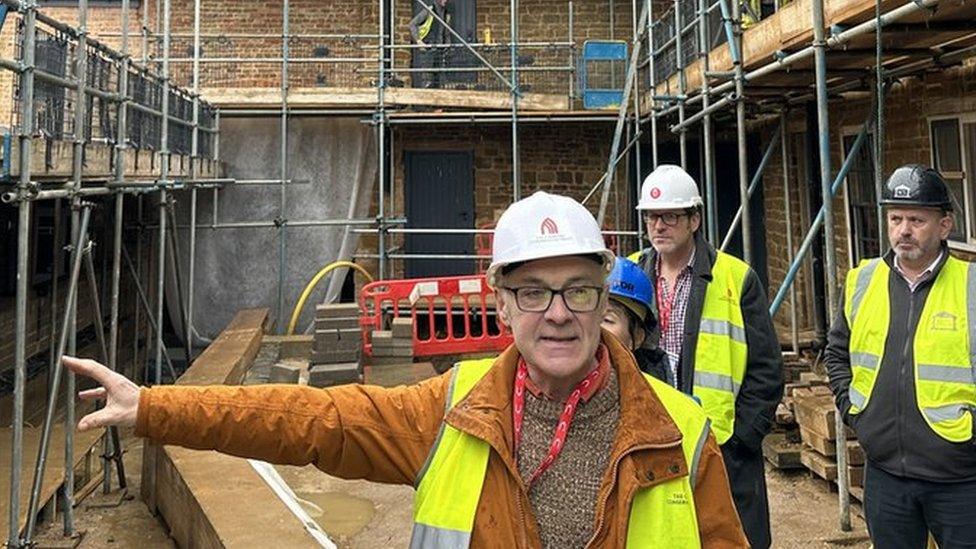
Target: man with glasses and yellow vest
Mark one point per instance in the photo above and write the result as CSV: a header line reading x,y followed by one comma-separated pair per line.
x,y
901,356
714,325
559,442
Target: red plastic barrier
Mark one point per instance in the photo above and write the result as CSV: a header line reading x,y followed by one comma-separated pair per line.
x,y
451,315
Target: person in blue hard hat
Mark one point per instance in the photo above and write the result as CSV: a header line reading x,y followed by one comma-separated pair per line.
x,y
630,316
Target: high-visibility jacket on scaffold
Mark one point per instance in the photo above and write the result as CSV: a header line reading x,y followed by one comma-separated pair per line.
x,y
450,485
722,352
943,347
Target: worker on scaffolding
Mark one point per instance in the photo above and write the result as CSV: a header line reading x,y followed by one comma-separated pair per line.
x,y
427,31
558,442
714,325
630,314
901,356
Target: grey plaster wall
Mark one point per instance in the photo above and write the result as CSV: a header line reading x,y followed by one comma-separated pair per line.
x,y
332,162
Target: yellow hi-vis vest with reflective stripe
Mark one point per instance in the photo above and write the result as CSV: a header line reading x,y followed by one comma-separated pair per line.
x,y
721,353
945,339
450,483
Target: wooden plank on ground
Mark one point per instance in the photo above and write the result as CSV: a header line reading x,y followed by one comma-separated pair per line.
x,y
53,468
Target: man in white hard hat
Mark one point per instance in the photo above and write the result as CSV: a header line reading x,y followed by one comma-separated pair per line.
x,y
559,442
714,324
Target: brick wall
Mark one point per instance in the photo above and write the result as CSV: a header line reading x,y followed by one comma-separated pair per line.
x,y
539,21
906,140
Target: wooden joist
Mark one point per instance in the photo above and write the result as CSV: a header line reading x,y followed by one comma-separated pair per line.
x,y
367,98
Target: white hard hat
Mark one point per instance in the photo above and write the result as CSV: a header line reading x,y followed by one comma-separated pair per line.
x,y
545,225
669,188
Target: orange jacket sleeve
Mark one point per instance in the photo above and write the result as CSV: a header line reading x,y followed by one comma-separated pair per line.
x,y
351,431
718,521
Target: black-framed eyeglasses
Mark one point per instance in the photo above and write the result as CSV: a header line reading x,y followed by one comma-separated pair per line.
x,y
669,218
537,299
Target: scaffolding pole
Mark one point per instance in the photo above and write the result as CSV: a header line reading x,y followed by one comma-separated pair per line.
x,y
190,332
615,154
515,92
740,127
79,244
788,210
164,156
823,122
708,144
652,86
636,23
282,220
23,235
682,84
381,130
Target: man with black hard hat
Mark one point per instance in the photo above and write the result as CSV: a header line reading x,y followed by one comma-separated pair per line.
x,y
901,355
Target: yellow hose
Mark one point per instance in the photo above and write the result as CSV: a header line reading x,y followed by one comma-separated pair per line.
x,y
314,282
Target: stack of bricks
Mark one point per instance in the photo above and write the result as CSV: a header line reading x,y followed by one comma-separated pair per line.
x,y
338,340
394,346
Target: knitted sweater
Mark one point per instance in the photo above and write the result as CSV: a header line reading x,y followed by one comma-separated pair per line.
x,y
564,497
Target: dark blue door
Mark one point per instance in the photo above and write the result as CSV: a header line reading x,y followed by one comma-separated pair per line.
x,y
439,195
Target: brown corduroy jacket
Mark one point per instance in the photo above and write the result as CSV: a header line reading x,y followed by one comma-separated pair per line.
x,y
385,435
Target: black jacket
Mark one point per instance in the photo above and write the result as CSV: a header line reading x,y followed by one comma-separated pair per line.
x,y
891,429
762,387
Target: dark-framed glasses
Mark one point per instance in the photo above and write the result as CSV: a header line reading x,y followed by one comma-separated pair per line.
x,y
668,218
537,299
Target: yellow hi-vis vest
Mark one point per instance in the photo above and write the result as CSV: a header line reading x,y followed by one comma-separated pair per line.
x,y
450,483
945,340
721,353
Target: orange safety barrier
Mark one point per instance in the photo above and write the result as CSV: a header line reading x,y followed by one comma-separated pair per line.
x,y
451,315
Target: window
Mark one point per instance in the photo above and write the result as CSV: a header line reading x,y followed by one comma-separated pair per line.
x,y
954,155
862,201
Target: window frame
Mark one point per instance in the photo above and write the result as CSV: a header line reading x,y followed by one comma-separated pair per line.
x,y
969,192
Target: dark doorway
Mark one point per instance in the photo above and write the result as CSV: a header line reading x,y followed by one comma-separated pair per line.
x,y
439,194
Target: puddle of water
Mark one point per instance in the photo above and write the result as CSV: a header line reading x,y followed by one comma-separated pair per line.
x,y
337,513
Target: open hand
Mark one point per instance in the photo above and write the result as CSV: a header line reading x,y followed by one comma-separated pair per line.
x,y
121,395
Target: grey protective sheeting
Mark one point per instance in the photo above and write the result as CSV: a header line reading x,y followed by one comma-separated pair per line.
x,y
332,163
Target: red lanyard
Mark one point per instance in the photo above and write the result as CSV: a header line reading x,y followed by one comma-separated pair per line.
x,y
664,304
562,428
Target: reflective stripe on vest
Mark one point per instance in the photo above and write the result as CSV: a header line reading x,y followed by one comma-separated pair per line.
x,y
943,346
425,28
722,351
450,484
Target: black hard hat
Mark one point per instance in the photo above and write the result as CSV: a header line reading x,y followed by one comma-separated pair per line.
x,y
916,185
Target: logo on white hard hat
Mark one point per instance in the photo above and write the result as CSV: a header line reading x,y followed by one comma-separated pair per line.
x,y
655,193
548,227
902,191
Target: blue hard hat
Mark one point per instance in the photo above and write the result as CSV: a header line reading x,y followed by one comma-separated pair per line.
x,y
628,281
